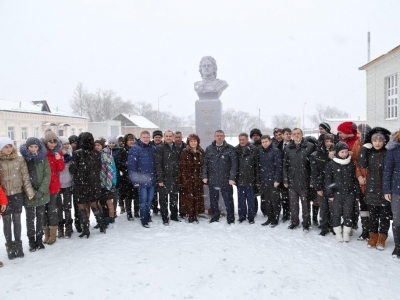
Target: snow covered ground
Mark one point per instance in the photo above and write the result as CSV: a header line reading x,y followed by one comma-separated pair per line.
x,y
201,261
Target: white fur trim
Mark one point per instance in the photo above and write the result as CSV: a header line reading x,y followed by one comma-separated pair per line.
x,y
345,161
368,145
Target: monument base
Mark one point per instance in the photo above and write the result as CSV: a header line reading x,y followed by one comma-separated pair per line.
x,y
208,119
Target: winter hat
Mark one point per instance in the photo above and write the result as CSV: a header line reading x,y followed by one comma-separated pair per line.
x,y
63,139
329,136
73,139
378,136
49,136
157,132
101,141
346,127
5,141
341,146
326,126
383,131
255,131
112,139
32,141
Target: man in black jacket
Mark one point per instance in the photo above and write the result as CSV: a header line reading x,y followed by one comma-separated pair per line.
x,y
296,177
255,135
157,140
219,172
166,160
247,177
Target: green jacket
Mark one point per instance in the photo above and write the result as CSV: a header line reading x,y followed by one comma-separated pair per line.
x,y
43,177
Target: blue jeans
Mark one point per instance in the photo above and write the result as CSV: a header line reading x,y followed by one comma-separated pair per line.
x,y
246,194
227,195
146,194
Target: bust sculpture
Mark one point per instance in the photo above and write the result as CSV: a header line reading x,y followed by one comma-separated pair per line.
x,y
210,87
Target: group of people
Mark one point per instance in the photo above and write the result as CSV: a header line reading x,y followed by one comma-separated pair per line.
x,y
336,178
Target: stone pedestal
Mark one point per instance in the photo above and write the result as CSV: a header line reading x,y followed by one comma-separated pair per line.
x,y
208,120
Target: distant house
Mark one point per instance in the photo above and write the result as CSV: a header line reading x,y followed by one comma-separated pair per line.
x,y
135,124
21,120
105,129
383,90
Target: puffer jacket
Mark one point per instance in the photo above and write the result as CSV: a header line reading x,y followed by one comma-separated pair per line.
x,y
391,171
56,166
3,197
14,174
39,173
141,166
65,176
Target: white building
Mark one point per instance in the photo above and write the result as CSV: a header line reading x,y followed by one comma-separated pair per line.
x,y
383,90
21,120
105,129
135,124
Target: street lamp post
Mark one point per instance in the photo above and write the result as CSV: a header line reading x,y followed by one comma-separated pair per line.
x,y
158,108
304,106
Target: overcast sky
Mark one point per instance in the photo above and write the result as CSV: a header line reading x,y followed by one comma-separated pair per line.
x,y
275,55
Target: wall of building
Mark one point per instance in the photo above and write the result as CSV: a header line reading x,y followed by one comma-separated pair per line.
x,y
105,129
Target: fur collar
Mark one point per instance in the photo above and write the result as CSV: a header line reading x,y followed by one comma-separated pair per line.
x,y
57,148
342,161
393,144
38,157
68,151
13,155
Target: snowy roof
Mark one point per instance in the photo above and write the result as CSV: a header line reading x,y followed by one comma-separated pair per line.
x,y
34,107
364,67
140,121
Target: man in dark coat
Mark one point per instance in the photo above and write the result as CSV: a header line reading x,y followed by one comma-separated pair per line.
x,y
247,177
296,177
255,135
284,192
166,159
182,145
219,172
157,140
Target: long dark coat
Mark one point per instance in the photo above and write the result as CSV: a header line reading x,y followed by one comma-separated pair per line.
x,y
190,181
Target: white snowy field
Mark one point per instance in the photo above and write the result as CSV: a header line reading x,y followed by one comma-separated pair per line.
x,y
201,261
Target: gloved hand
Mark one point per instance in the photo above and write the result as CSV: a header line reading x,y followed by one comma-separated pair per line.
x,y
38,195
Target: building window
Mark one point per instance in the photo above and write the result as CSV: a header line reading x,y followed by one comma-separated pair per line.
x,y
11,132
24,133
80,130
36,132
391,97
72,131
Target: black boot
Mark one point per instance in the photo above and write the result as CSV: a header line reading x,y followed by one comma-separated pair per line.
x,y
39,242
99,219
365,229
32,244
396,252
78,225
315,210
18,249
85,224
129,216
60,230
10,248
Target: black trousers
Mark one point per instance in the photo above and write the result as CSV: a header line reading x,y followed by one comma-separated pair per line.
x,y
51,213
32,213
173,203
64,200
379,219
295,196
273,204
342,205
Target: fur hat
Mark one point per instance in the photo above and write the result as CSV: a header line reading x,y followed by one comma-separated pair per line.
x,y
73,139
32,141
49,136
157,132
346,128
326,126
63,140
5,141
341,146
255,131
383,131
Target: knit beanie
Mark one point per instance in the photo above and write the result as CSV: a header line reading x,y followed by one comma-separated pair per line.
x,y
5,141
341,146
73,139
326,126
101,141
157,132
112,139
346,128
63,140
255,131
32,141
49,136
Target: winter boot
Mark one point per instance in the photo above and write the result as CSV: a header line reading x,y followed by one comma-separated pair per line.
x,y
365,228
129,216
32,244
39,243
78,225
122,209
106,222
53,235
68,229
99,219
61,229
85,224
338,233
137,216
18,249
396,252
46,234
346,233
112,220
1,264
315,210
373,238
380,244
10,248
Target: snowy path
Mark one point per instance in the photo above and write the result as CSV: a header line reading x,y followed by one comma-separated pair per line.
x,y
201,261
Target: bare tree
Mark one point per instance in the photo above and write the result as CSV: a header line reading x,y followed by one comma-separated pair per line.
x,y
235,122
81,100
326,112
284,120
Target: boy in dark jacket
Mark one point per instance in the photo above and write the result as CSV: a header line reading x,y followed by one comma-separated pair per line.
x,y
270,170
342,189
